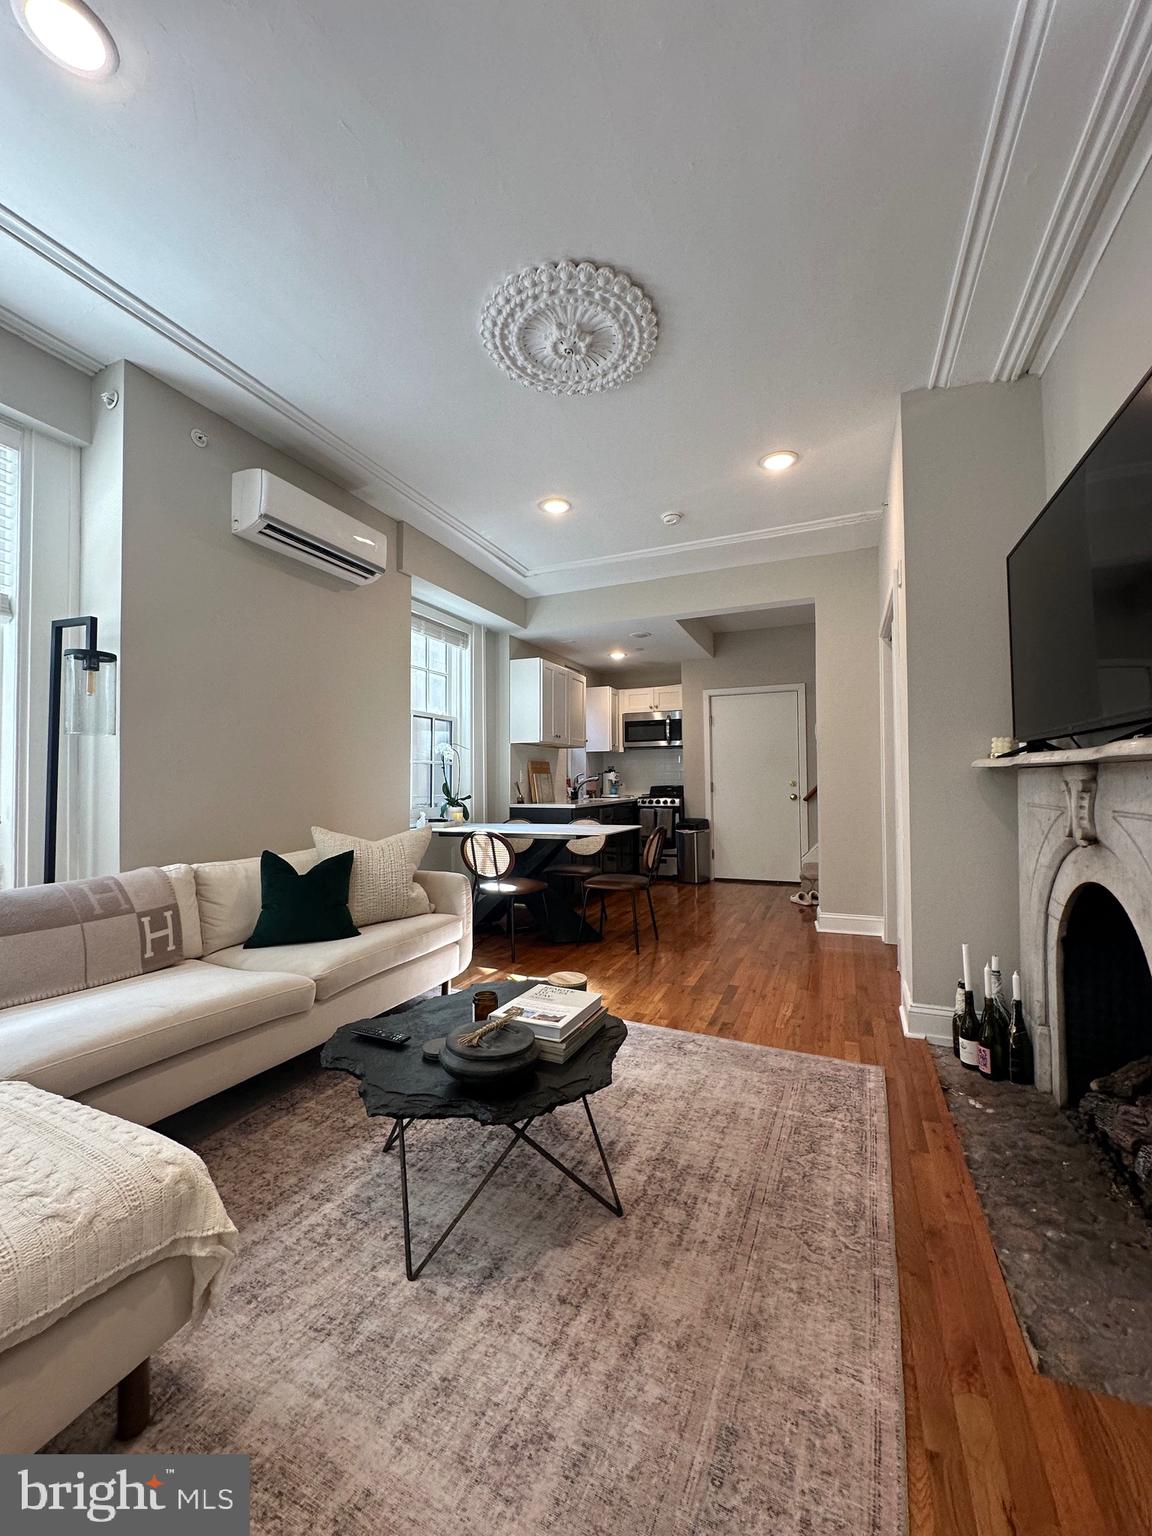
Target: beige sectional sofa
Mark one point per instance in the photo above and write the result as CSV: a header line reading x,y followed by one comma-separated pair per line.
x,y
148,1046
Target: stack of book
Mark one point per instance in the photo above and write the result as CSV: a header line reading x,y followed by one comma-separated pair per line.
x,y
562,1020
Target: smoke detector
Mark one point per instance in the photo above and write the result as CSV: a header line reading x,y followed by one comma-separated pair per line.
x,y
670,519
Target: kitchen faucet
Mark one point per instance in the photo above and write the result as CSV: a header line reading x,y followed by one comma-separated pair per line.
x,y
580,781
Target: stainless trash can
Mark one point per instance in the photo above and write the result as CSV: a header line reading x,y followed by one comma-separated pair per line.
x,y
694,851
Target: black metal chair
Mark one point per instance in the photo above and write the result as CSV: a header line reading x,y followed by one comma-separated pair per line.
x,y
491,859
649,864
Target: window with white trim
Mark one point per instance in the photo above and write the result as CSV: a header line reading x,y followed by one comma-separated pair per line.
x,y
441,707
10,458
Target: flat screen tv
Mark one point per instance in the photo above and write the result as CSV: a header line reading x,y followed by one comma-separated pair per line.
x,y
1080,593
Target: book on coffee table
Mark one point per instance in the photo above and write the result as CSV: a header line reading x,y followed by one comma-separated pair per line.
x,y
552,1013
559,1051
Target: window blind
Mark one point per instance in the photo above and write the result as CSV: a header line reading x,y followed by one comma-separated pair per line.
x,y
9,509
435,629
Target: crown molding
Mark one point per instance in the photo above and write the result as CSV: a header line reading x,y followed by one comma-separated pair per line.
x,y
721,541
105,287
46,341
1076,225
1013,92
1131,172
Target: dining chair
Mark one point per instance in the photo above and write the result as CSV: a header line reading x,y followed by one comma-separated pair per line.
x,y
584,848
520,844
490,859
649,864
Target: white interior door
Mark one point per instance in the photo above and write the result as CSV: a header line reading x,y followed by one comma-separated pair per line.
x,y
757,792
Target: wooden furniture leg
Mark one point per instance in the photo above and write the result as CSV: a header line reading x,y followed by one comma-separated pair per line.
x,y
134,1402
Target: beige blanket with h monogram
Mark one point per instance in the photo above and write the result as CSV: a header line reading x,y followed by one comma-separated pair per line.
x,y
82,933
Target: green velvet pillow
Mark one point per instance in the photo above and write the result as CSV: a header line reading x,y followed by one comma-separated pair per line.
x,y
303,909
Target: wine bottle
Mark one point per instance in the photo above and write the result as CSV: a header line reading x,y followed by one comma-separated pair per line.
x,y
1020,1064
969,1029
993,1043
957,1018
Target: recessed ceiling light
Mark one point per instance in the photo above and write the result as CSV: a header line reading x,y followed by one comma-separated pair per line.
x,y
617,655
70,34
640,634
556,506
778,459
670,519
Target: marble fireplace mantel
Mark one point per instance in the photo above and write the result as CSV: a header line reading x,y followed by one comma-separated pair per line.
x,y
1085,817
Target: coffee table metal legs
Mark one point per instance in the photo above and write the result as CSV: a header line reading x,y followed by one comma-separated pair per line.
x,y
519,1135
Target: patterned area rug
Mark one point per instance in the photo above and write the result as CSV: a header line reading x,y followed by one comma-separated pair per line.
x,y
726,1358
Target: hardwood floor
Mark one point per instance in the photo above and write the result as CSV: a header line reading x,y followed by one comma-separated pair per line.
x,y
993,1448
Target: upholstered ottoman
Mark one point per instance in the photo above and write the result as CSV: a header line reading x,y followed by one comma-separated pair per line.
x,y
112,1238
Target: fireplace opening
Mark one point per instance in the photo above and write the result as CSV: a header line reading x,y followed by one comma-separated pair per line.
x,y
1107,990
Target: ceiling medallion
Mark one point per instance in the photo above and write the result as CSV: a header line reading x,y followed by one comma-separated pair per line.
x,y
570,328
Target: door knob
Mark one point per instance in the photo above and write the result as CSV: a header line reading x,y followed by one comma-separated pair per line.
x,y
793,796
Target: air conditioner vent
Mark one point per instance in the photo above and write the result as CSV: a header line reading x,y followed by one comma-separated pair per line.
x,y
269,511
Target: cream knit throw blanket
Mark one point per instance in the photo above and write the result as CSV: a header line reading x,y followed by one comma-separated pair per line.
x,y
86,1200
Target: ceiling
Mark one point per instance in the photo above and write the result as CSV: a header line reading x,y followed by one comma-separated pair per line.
x,y
778,617
662,641
294,211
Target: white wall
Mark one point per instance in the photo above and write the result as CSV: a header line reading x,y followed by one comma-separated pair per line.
x,y
748,659
42,392
972,473
1107,348
257,696
843,588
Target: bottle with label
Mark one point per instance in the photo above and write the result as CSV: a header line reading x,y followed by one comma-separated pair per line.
x,y
957,1018
993,1044
1021,1068
969,1030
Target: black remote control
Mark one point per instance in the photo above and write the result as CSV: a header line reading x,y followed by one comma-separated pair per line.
x,y
391,1037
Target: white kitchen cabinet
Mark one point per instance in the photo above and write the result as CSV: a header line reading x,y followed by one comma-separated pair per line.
x,y
545,704
577,717
603,720
637,700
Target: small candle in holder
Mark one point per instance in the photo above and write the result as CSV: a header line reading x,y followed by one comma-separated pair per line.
x,y
483,1003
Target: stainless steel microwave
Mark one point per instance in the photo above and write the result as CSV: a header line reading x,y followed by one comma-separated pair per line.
x,y
654,728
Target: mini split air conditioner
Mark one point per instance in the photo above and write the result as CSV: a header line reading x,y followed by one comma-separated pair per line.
x,y
285,519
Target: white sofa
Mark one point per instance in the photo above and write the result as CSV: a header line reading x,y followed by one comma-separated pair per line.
x,y
149,1046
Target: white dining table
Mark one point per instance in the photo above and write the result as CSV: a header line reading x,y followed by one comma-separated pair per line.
x,y
561,922
544,831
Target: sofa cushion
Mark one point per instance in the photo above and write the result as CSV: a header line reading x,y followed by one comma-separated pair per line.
x,y
344,962
383,888
69,1044
228,895
307,908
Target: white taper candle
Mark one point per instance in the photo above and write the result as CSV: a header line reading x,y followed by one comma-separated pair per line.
x,y
966,964
1017,995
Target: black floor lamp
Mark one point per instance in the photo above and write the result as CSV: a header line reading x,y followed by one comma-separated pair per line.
x,y
86,677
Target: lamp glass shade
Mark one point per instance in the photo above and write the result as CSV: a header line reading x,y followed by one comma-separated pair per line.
x,y
89,703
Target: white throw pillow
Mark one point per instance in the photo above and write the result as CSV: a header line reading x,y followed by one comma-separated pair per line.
x,y
382,888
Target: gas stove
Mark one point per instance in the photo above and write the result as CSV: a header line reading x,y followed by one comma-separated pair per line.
x,y
664,794
663,806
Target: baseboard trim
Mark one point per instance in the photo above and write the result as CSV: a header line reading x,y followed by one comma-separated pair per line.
x,y
925,1021
850,922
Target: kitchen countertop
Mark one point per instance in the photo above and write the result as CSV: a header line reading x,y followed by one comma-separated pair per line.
x,y
572,805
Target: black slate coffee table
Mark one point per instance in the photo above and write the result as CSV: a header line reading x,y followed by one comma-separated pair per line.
x,y
405,1087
